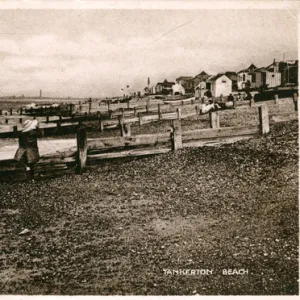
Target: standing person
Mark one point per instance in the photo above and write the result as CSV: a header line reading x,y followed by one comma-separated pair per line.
x,y
28,151
230,98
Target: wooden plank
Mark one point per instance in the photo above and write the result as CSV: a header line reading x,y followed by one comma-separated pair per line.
x,y
216,142
169,116
138,140
218,132
148,119
283,117
131,120
130,153
56,160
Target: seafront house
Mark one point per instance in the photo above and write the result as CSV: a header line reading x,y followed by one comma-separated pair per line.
x,y
219,85
244,77
200,89
289,72
233,77
268,77
203,76
164,87
187,83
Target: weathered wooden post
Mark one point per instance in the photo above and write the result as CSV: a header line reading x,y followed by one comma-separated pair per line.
x,y
47,119
15,129
6,121
21,111
276,98
178,113
128,104
58,125
140,120
134,111
251,101
295,100
20,120
214,119
120,119
0,112
182,103
197,108
234,101
176,137
81,137
125,129
11,111
147,108
101,123
263,119
71,109
159,111
110,114
122,111
90,106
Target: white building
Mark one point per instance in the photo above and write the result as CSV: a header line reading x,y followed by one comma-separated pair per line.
x,y
200,89
219,85
178,89
244,78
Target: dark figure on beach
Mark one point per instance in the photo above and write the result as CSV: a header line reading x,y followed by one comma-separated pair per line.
x,y
208,94
28,151
248,96
230,98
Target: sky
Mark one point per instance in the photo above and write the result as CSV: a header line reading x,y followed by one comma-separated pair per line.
x,y
96,53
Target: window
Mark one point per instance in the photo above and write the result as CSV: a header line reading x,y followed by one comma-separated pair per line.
x,y
253,77
224,81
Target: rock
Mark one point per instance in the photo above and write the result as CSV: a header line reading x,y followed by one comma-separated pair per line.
x,y
25,231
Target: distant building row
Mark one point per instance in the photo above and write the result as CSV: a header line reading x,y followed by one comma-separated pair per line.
x,y
276,74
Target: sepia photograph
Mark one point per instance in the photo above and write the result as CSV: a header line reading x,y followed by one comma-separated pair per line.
x,y
149,148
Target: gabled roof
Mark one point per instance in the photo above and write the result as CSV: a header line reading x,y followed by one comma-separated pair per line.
x,y
201,74
166,83
251,68
263,69
184,77
215,77
230,73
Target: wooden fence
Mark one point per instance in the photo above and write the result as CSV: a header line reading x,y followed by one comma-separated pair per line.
x,y
64,125
131,146
90,151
